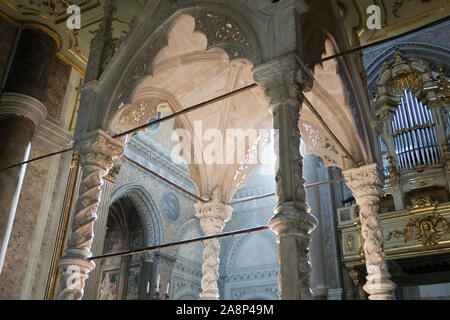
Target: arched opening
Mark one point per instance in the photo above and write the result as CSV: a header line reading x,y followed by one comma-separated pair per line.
x,y
120,276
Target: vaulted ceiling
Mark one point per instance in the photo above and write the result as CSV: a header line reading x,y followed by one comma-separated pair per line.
x,y
398,16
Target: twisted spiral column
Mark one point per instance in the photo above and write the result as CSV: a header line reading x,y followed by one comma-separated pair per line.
x,y
213,216
96,152
365,184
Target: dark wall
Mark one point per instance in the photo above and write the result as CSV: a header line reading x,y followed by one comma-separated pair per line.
x,y
30,70
8,33
57,85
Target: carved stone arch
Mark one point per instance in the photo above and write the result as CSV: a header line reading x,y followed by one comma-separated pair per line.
x,y
226,29
189,222
331,96
235,224
148,210
143,107
234,248
223,27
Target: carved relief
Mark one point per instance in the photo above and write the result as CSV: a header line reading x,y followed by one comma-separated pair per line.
x,y
350,242
317,142
365,184
221,29
405,80
427,229
213,216
96,158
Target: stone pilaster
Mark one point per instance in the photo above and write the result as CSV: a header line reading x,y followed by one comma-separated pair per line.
x,y
365,184
97,151
213,216
282,81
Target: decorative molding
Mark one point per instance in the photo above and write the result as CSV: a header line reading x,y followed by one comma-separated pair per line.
x,y
50,135
23,105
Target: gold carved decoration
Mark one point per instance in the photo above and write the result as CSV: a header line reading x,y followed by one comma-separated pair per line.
x,y
406,80
354,275
398,4
427,229
423,202
350,242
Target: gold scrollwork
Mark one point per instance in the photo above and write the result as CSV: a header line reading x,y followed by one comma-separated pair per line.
x,y
405,80
427,229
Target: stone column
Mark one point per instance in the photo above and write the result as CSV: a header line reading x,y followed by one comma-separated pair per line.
x,y
282,82
20,113
213,216
319,284
97,151
19,116
365,184
146,277
100,229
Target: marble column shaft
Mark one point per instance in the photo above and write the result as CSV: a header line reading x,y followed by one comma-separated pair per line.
x,y
213,216
282,81
18,114
365,184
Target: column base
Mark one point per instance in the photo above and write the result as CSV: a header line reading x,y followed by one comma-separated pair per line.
x,y
380,287
212,295
293,224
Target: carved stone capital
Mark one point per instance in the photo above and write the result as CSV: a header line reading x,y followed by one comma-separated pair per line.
x,y
213,216
365,183
98,149
282,79
23,105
